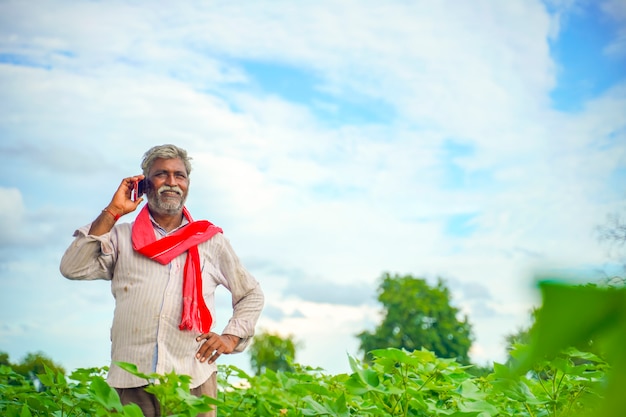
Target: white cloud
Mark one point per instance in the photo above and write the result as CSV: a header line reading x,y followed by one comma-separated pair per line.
x,y
11,214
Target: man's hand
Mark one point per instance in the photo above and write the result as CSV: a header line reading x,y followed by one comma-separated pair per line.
x,y
215,345
120,204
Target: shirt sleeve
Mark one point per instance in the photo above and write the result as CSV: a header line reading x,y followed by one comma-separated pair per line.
x,y
88,257
247,297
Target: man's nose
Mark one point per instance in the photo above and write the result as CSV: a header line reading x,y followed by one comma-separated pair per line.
x,y
171,179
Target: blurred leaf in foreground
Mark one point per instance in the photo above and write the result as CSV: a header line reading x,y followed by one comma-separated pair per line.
x,y
578,316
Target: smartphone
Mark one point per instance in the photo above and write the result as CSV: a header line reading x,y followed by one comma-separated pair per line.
x,y
139,189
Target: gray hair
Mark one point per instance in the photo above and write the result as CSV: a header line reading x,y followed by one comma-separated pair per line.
x,y
164,152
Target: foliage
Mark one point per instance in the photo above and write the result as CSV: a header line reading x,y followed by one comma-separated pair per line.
x,y
570,384
395,383
574,315
271,351
417,383
32,364
552,377
84,393
172,391
418,316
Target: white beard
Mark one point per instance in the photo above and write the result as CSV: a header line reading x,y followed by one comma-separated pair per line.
x,y
169,205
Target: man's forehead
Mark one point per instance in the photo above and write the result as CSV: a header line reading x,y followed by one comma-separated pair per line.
x,y
168,164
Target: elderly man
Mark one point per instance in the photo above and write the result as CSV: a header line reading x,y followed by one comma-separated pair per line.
x,y
164,268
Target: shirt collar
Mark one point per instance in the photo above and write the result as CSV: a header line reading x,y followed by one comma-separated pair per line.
x,y
164,232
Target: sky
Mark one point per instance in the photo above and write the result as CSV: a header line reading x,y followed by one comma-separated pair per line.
x,y
333,141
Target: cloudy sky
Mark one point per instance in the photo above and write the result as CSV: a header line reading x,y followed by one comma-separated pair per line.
x,y
333,141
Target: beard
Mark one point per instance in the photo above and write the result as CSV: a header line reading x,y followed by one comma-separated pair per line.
x,y
166,200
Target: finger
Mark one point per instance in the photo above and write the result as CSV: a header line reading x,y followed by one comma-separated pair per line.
x,y
210,338
138,202
125,188
214,357
205,351
208,347
210,353
134,178
204,336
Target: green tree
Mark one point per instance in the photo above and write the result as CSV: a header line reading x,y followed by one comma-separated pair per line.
x,y
4,359
271,351
35,363
416,316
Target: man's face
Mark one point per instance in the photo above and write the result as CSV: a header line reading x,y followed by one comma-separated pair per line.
x,y
168,184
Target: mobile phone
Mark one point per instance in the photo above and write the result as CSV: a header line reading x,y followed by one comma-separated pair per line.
x,y
139,189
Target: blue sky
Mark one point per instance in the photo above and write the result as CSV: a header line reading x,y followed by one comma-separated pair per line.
x,y
333,141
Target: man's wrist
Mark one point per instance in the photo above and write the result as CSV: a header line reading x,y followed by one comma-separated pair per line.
x,y
116,216
234,339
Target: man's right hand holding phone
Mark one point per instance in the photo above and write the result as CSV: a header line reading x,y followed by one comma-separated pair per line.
x,y
125,200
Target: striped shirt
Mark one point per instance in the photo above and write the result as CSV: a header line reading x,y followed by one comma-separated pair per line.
x,y
148,301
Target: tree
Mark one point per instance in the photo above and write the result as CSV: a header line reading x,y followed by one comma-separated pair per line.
x,y
271,351
34,364
31,366
415,316
4,359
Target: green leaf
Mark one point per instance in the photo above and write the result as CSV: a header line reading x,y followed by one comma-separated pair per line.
x,y
46,379
573,315
314,388
340,407
370,377
514,389
317,408
238,372
470,391
480,407
355,385
25,411
132,410
132,368
354,365
105,395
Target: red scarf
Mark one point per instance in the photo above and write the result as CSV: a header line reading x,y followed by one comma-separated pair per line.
x,y
196,315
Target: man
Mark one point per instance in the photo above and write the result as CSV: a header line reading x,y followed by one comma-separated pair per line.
x,y
164,268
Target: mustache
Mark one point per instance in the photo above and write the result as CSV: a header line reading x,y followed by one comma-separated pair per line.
x,y
174,188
